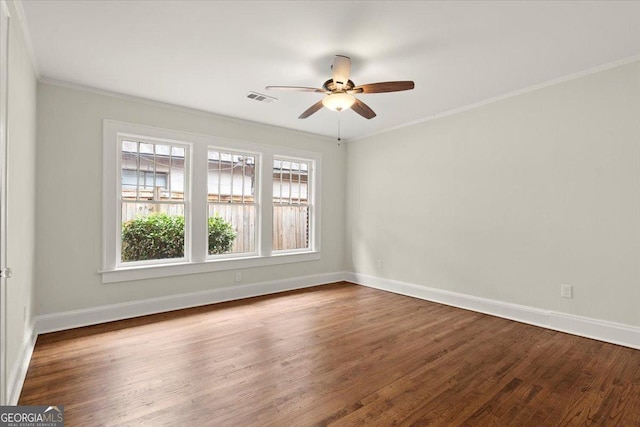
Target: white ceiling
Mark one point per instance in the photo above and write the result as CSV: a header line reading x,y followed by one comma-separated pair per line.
x,y
209,54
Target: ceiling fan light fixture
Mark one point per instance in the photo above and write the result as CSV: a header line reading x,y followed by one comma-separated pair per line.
x,y
338,101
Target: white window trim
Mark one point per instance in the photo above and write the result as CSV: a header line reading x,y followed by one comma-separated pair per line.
x,y
198,261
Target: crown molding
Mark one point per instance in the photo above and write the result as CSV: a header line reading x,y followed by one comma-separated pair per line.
x,y
533,88
27,37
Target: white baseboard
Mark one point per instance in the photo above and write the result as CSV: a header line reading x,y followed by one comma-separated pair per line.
x,y
107,313
21,365
616,333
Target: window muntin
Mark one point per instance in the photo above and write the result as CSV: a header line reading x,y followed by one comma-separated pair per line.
x,y
291,204
153,199
232,194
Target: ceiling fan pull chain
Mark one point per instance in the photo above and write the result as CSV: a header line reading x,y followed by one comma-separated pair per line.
x,y
339,114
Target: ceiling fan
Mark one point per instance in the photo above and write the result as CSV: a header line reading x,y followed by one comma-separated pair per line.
x,y
340,90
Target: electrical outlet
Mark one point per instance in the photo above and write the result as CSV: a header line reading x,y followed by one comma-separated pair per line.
x,y
379,264
238,276
566,291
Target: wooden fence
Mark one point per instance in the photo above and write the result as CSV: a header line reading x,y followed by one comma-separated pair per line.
x,y
243,220
290,227
290,223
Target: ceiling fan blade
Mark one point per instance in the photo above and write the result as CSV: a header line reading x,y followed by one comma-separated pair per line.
x,y
296,88
309,111
383,87
340,70
363,109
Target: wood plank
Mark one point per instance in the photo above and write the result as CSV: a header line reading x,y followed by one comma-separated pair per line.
x,y
338,354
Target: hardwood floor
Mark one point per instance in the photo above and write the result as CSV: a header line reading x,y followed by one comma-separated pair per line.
x,y
338,354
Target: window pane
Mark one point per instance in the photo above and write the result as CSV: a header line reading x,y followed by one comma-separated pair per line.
x,y
213,177
232,228
290,227
146,148
249,178
152,231
290,204
163,150
225,183
176,174
129,179
177,152
231,194
304,189
148,170
129,176
130,146
231,180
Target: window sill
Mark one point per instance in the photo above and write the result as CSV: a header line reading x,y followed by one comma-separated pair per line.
x,y
181,269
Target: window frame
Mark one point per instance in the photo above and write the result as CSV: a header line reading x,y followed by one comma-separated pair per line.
x,y
309,204
196,207
121,137
256,200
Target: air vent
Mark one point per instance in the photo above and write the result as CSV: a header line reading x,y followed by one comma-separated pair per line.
x,y
260,97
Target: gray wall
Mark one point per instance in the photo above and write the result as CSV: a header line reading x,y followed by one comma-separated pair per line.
x,y
69,183
509,200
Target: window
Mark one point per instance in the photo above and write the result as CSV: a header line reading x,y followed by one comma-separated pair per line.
x,y
153,201
290,204
231,198
177,203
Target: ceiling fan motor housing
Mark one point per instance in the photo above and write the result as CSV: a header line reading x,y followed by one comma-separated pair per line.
x,y
330,86
341,70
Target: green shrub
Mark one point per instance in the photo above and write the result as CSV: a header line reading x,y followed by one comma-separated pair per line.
x,y
221,235
161,236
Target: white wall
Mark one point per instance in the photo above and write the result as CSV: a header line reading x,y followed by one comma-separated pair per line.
x,y
511,199
69,186
21,200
